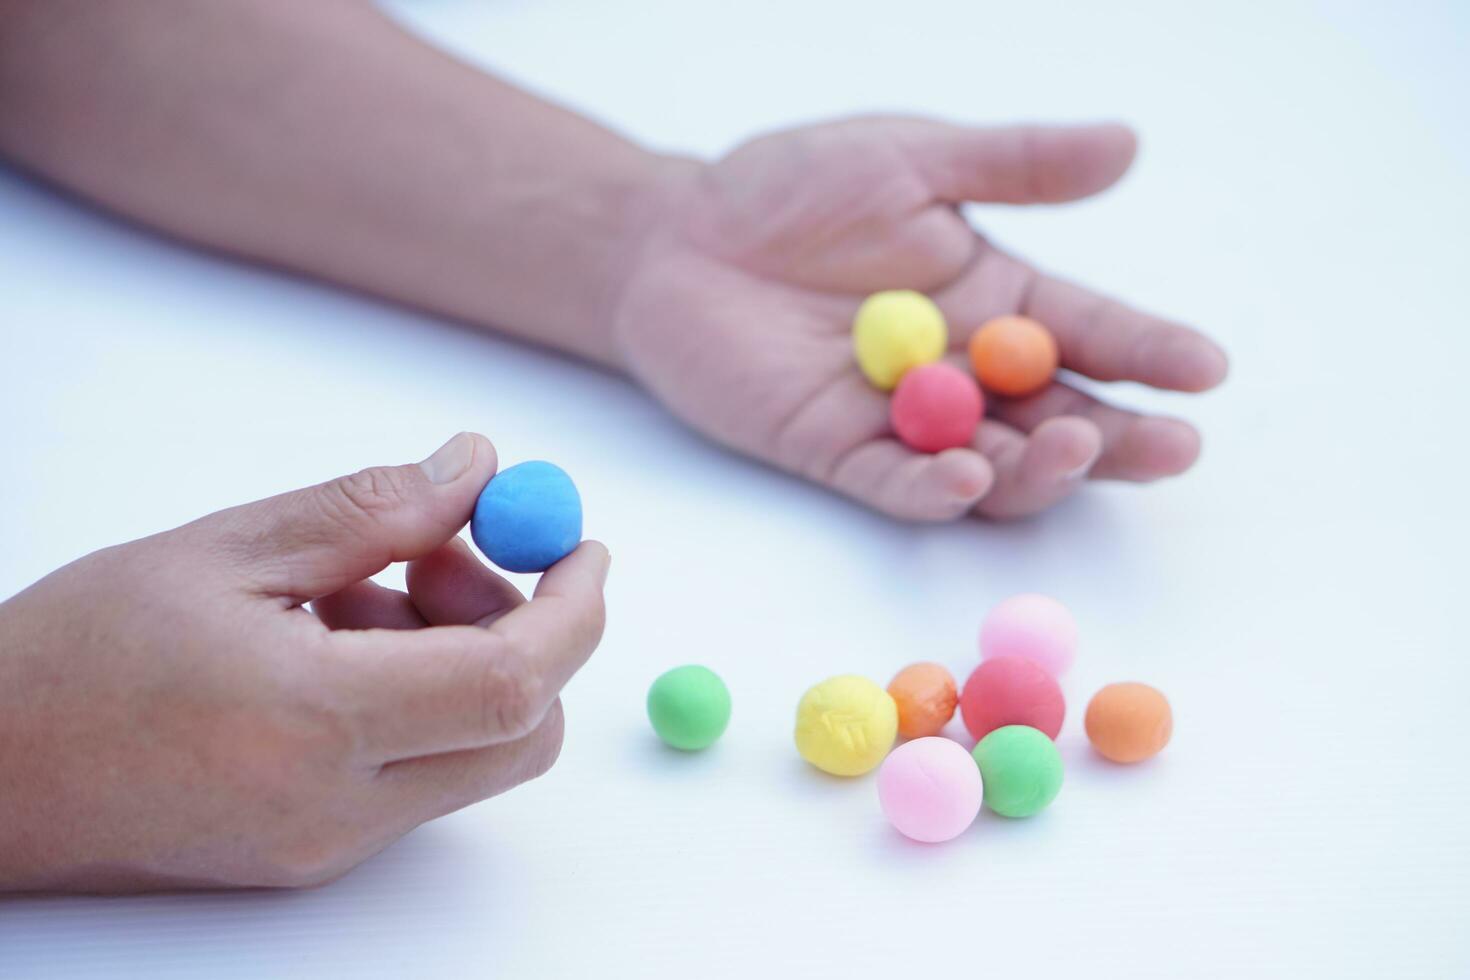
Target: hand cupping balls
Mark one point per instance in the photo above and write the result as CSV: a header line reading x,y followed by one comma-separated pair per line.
x,y
689,707
528,517
845,725
899,337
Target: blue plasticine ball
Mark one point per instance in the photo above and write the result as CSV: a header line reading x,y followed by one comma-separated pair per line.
x,y
528,517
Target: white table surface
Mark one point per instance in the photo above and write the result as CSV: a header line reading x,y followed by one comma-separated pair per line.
x,y
1302,193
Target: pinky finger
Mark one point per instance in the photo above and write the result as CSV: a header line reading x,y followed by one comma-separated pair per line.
x,y
890,477
1033,473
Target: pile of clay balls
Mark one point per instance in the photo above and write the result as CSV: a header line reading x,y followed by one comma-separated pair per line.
x,y
529,516
930,787
899,337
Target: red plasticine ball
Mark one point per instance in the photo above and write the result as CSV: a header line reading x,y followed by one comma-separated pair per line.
x,y
1012,691
936,407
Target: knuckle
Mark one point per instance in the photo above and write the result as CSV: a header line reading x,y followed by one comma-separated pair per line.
x,y
316,729
546,749
1099,346
296,750
327,738
510,694
298,776
594,621
370,493
942,246
1033,178
307,859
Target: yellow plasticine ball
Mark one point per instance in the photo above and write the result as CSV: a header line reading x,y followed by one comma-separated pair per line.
x,y
846,725
894,331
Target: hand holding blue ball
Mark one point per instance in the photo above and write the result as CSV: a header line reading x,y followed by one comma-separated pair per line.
x,y
528,517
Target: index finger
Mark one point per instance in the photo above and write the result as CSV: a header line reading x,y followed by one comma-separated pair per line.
x,y
1107,340
444,688
1096,336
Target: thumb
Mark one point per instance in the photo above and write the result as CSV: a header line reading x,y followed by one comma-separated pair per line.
x,y
1020,164
313,542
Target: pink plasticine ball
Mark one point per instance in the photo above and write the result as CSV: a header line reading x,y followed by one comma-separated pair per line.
x,y
1012,691
1033,626
936,407
930,789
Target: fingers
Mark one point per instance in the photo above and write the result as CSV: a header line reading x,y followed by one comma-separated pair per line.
x,y
1027,456
839,437
313,542
1019,164
1104,339
447,587
451,587
1096,336
367,605
890,477
431,786
1033,473
1135,447
458,687
563,622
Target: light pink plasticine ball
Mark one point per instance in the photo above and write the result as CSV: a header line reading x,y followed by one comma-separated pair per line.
x,y
1033,626
930,789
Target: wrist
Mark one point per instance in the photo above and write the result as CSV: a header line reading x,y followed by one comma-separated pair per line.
x,y
649,201
549,250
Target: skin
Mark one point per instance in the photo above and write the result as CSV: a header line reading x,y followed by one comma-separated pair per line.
x,y
738,316
323,139
171,715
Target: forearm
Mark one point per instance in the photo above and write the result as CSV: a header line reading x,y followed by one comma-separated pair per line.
x,y
322,138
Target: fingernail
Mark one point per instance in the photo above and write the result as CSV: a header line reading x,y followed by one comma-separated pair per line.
x,y
450,460
606,565
1079,472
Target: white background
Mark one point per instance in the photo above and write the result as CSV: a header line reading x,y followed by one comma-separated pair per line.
x,y
1302,193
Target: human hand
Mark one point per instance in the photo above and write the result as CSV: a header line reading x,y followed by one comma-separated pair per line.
x,y
737,313
171,715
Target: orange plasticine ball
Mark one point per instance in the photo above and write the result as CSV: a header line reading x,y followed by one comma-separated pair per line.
x,y
1013,356
925,695
1129,722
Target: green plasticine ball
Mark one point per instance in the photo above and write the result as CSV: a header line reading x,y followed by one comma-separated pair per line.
x,y
689,707
1021,769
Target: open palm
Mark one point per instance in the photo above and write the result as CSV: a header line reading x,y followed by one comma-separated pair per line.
x,y
738,311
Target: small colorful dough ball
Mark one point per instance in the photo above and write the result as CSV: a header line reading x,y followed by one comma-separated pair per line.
x,y
1012,691
894,331
925,696
1021,768
689,707
1129,722
1013,356
930,789
1033,626
845,725
528,517
936,407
